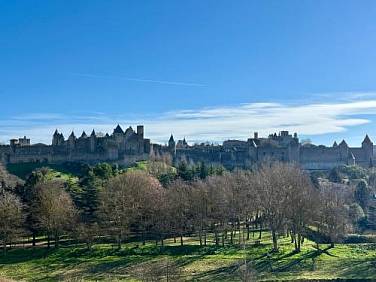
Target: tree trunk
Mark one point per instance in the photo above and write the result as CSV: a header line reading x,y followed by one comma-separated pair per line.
x,y
299,241
292,237
275,241
56,241
239,233
34,239
5,247
181,239
119,241
216,237
260,231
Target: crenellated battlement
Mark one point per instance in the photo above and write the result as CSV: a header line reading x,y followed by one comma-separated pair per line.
x,y
125,147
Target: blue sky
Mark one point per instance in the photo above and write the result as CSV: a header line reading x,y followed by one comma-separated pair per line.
x,y
208,70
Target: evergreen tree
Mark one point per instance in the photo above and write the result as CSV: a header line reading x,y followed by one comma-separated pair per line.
x,y
204,172
185,172
91,186
362,194
335,176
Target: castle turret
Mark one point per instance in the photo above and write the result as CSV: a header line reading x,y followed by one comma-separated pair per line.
x,y
72,140
367,147
172,145
128,132
83,135
93,141
140,131
55,138
118,130
343,144
343,150
366,142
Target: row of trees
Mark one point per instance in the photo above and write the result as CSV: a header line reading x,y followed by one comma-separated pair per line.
x,y
277,197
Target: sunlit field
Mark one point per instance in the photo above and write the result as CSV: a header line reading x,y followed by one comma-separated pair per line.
x,y
191,262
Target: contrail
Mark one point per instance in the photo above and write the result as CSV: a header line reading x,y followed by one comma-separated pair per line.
x,y
166,82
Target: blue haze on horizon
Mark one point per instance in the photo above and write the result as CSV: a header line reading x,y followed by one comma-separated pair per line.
x,y
209,70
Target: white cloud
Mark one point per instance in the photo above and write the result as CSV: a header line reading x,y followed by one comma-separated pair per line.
x,y
208,124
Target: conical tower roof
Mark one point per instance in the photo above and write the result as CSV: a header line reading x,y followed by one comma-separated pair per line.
x,y
118,129
343,143
367,140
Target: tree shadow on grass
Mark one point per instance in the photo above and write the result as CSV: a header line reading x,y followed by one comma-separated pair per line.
x,y
126,259
300,259
359,269
266,263
218,273
23,255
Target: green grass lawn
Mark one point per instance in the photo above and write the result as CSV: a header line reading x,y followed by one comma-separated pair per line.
x,y
190,262
23,170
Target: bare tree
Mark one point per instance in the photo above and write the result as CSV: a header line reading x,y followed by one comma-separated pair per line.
x,y
126,199
218,205
54,209
333,217
301,204
11,217
179,206
273,190
200,209
87,233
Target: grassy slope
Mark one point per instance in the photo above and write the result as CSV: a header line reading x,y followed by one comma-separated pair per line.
x,y
24,170
190,262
